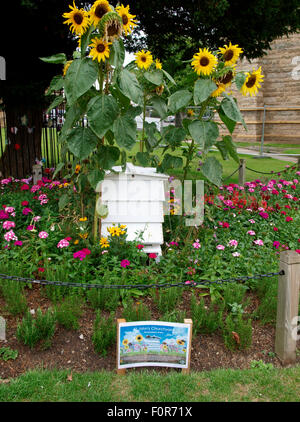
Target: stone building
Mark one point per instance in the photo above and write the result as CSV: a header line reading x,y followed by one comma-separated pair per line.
x,y
279,94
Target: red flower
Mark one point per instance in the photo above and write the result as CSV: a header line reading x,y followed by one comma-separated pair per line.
x,y
289,218
17,147
298,251
24,187
283,212
275,229
24,203
152,255
140,246
41,269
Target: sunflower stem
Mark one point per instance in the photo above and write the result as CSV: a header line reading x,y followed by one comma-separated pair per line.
x,y
144,119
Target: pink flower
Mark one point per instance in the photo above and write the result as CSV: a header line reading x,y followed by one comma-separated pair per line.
x,y
81,254
264,215
26,211
289,219
9,209
63,243
37,218
233,242
43,235
25,187
275,229
10,235
236,254
298,251
3,215
259,242
8,224
29,228
251,232
276,244
24,203
18,243
35,188
152,255
251,221
41,270
220,247
125,263
173,243
196,244
140,246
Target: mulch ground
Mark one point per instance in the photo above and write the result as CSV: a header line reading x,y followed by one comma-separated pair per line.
x,y
74,351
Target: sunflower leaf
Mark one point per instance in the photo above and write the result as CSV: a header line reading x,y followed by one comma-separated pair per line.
x,y
102,112
155,77
56,102
130,86
204,133
59,58
231,148
179,100
117,54
159,106
202,90
81,142
230,108
212,170
240,80
124,129
80,77
230,124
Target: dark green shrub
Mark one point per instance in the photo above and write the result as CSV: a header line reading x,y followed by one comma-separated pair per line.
x,y
206,319
14,297
167,299
104,333
104,299
237,332
69,312
135,311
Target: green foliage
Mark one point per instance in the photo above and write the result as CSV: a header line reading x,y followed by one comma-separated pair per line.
x,y
32,330
205,319
135,311
104,299
260,364
167,299
14,297
69,312
104,333
237,332
6,353
233,293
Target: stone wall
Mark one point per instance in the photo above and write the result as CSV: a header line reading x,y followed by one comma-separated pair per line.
x,y
280,90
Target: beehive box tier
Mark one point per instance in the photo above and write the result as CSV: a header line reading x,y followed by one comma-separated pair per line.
x,y
134,211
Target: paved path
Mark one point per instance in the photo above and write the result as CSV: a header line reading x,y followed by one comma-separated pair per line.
x,y
291,158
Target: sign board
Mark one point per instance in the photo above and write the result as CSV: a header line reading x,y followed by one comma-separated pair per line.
x,y
154,343
2,329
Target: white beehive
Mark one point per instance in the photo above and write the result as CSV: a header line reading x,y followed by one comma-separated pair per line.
x,y
136,198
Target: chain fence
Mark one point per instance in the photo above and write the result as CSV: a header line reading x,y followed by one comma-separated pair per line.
x,y
192,283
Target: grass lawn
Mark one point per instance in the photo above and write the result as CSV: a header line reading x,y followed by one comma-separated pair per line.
x,y
264,385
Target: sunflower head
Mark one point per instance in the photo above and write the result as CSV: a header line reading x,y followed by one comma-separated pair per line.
x,y
230,53
78,19
98,10
139,337
100,49
143,59
252,82
204,62
227,78
110,26
158,64
220,88
127,19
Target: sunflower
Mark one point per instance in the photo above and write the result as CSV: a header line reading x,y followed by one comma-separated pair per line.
x,y
98,10
159,89
252,82
230,53
228,77
78,19
128,20
100,49
66,67
111,26
220,88
104,242
125,342
139,337
180,342
143,59
204,62
158,64
190,113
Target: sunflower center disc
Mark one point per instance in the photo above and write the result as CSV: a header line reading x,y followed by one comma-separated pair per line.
x,y
100,11
125,20
251,81
100,48
204,61
78,18
228,55
112,30
143,58
226,78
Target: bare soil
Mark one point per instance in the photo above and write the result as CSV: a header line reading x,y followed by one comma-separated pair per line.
x,y
74,351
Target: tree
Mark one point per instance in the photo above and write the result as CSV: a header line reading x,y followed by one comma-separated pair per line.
x,y
37,30
213,23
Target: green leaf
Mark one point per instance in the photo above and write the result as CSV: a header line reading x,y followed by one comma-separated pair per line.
x,y
143,158
204,133
81,142
173,135
94,177
124,129
223,149
231,148
58,168
55,59
240,80
102,209
130,86
169,77
151,131
80,77
107,156
155,77
159,106
85,40
212,170
63,201
230,124
179,100
202,90
56,102
171,162
117,54
102,112
56,84
230,108
121,99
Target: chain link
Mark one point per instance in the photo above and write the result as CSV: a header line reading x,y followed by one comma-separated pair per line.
x,y
138,286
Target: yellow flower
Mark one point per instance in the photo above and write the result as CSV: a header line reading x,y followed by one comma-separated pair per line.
x,y
143,59
128,20
100,49
139,337
230,53
78,19
125,342
66,185
76,242
77,168
66,67
217,92
190,112
98,10
204,62
252,82
123,226
104,243
84,235
158,64
83,219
